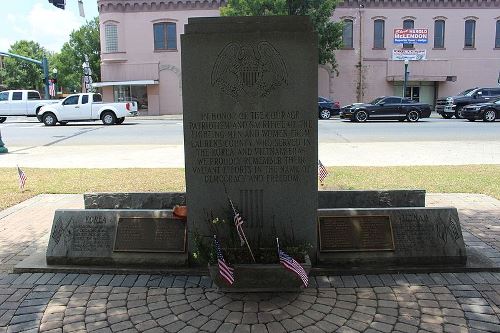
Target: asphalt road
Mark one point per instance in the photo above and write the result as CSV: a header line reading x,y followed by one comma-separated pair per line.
x,y
158,143
29,132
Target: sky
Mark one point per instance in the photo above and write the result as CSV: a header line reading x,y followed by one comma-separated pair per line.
x,y
40,21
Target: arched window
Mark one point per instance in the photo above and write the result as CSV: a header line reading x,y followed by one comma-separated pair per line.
x,y
470,34
439,27
111,37
408,24
165,36
347,34
378,34
497,36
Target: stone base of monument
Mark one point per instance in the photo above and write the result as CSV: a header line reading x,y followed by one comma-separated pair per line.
x,y
117,238
367,238
326,199
260,278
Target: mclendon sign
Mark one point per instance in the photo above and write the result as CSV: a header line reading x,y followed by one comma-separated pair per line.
x,y
411,36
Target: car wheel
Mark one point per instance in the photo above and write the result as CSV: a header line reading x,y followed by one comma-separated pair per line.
x,y
2,119
324,114
489,115
49,119
413,116
120,120
108,118
361,116
446,115
63,123
458,113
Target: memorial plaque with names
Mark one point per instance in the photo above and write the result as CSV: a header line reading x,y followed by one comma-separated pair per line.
x,y
150,235
355,233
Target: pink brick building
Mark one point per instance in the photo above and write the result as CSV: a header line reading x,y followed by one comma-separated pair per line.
x,y
140,49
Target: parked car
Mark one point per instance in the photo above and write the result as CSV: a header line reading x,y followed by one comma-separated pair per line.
x,y
386,107
21,103
451,106
327,108
85,107
485,111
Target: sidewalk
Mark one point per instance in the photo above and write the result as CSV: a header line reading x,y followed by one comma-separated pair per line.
x,y
436,302
330,154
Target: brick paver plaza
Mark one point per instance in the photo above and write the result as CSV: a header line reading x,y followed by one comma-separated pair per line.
x,y
61,302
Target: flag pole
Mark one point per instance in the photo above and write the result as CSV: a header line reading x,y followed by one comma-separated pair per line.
x,y
243,234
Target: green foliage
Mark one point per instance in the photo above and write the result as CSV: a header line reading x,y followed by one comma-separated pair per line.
x,y
320,12
84,41
21,74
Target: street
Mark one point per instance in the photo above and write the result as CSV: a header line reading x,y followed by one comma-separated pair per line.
x,y
158,142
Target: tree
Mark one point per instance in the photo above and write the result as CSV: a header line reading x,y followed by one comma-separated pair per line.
x,y
84,41
21,74
320,12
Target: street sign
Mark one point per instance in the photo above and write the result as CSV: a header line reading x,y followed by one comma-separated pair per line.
x,y
408,54
411,36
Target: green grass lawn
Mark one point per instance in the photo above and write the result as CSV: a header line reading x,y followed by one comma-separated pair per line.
x,y
438,179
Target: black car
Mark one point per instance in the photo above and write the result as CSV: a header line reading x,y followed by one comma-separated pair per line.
x,y
451,106
327,108
485,111
386,107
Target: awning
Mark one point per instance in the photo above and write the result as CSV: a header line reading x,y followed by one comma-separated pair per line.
x,y
124,83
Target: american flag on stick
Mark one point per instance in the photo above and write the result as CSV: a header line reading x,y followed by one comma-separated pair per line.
x,y
225,270
22,178
294,266
238,223
52,88
322,172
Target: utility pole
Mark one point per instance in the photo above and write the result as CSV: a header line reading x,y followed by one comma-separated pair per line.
x,y
44,64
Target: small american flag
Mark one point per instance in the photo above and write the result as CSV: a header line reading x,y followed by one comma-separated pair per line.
x,y
238,223
322,172
22,178
52,88
225,271
294,266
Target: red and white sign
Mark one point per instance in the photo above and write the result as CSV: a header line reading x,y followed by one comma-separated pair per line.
x,y
411,36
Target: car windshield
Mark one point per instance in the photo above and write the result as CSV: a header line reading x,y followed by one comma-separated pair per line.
x,y
376,100
466,92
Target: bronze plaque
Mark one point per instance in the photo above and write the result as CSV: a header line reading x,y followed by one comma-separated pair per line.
x,y
137,234
355,233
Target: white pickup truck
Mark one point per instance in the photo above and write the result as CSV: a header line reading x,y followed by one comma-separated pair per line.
x,y
86,107
21,103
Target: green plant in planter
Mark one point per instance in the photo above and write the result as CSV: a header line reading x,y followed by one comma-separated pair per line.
x,y
264,249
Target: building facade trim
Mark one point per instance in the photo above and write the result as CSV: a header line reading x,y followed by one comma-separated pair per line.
x,y
110,6
419,4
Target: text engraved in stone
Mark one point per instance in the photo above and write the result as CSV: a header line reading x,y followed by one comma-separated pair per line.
x,y
355,233
150,235
91,235
251,147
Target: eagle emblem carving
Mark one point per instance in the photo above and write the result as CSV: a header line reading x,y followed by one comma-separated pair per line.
x,y
249,70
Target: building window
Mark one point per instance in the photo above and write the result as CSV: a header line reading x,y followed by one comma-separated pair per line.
x,y
439,34
347,34
111,36
408,24
497,36
165,36
378,34
470,34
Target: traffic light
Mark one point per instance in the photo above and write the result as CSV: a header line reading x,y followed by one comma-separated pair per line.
x,y
58,3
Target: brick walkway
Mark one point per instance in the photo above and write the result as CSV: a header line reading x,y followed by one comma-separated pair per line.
x,y
436,302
